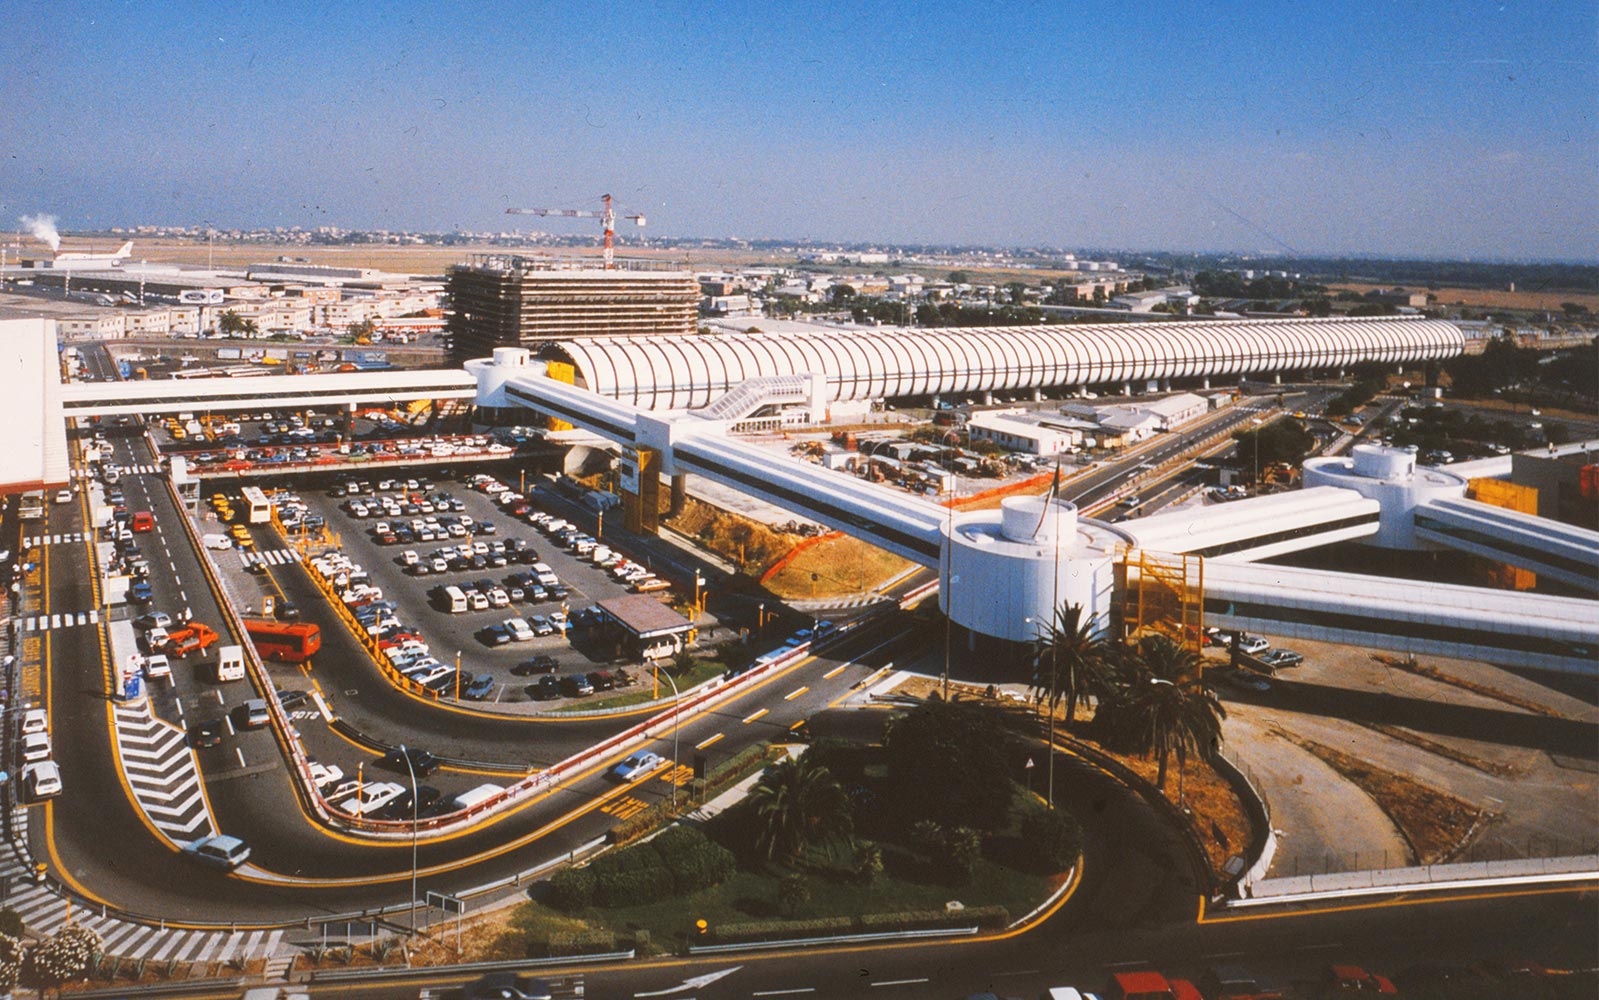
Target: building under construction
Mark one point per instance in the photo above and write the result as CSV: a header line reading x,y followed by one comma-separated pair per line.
x,y
507,301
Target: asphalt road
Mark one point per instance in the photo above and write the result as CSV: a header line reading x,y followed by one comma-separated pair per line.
x,y
97,842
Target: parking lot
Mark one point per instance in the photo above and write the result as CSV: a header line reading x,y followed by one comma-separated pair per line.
x,y
428,547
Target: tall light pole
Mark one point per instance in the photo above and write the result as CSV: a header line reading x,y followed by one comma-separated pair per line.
x,y
406,756
670,680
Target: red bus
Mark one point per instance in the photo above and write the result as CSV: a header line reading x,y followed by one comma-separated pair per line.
x,y
288,642
143,520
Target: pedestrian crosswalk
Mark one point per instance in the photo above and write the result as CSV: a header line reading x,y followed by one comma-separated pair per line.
x,y
69,619
44,911
60,538
162,772
272,557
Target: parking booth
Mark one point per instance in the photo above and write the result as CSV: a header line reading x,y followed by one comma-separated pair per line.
x,y
650,629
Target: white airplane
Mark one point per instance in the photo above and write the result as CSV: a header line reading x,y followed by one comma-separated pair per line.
x,y
77,260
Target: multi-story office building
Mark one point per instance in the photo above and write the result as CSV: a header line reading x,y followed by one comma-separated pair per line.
x,y
500,301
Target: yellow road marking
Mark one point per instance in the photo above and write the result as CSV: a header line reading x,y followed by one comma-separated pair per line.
x,y
705,743
795,693
755,715
834,672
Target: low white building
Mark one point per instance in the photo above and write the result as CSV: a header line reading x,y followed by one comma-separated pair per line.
x,y
1031,434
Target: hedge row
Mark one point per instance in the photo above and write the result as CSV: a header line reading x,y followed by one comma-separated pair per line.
x,y
680,861
563,943
870,923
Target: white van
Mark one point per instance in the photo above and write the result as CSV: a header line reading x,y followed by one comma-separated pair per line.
x,y
230,664
600,554
474,797
545,575
455,599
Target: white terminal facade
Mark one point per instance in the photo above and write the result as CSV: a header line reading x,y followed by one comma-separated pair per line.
x,y
1003,571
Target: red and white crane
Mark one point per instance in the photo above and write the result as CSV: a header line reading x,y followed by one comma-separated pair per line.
x,y
608,215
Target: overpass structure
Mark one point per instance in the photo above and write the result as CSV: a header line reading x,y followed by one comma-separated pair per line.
x,y
1002,572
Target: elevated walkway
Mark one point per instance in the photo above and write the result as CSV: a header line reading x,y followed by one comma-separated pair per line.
x,y
1502,627
1268,526
266,392
1549,548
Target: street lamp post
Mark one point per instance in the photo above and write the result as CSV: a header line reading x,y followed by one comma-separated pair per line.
x,y
414,804
670,680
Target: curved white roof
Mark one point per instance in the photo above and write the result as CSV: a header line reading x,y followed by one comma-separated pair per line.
x,y
689,372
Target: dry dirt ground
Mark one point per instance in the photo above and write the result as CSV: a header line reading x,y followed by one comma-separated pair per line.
x,y
1492,298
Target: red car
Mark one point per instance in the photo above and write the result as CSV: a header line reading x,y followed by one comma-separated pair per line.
x,y
1149,986
1354,979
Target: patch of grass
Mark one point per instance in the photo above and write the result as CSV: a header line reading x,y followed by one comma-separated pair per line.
x,y
842,565
753,895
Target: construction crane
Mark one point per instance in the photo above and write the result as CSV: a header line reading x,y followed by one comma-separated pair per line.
x,y
608,217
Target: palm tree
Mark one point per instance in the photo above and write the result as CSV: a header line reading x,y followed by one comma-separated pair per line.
x,y
1166,710
1072,662
800,805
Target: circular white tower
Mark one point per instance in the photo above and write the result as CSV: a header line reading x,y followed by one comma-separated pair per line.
x,y
1391,477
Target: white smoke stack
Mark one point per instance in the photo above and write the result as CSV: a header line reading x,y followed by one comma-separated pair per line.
x,y
43,228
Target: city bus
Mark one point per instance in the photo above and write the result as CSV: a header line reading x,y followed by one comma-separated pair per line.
x,y
286,642
258,508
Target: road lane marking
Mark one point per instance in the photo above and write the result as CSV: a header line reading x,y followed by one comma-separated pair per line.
x,y
706,743
755,715
783,993
901,982
796,725
240,752
795,693
834,672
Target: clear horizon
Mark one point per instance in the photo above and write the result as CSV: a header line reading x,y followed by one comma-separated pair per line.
x,y
1438,131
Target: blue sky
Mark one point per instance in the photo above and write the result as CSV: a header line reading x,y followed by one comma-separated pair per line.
x,y
1437,129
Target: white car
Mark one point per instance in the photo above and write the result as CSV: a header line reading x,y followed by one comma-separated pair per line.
x,y
1252,644
34,720
157,666
520,630
41,780
373,795
636,766
326,776
437,672
36,747
64,496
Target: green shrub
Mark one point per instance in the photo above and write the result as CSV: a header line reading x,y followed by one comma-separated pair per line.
x,y
631,888
774,930
11,923
921,920
1053,839
562,943
571,889
963,848
708,865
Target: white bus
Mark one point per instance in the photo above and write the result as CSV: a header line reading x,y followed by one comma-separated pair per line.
x,y
455,599
259,507
32,507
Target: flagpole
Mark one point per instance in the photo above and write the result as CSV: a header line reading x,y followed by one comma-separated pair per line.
x,y
1054,646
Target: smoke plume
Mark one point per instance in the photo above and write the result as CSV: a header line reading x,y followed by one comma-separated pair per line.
x,y
43,228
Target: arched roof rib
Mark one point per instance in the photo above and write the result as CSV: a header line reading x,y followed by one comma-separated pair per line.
x,y
665,372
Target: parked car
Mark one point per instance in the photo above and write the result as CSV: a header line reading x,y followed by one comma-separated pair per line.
x,y
1252,644
1279,659
636,765
36,747
541,664
576,686
421,762
519,629
548,688
41,780
480,688
1354,979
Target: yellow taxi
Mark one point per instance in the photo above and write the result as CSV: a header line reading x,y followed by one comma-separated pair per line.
x,y
241,534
